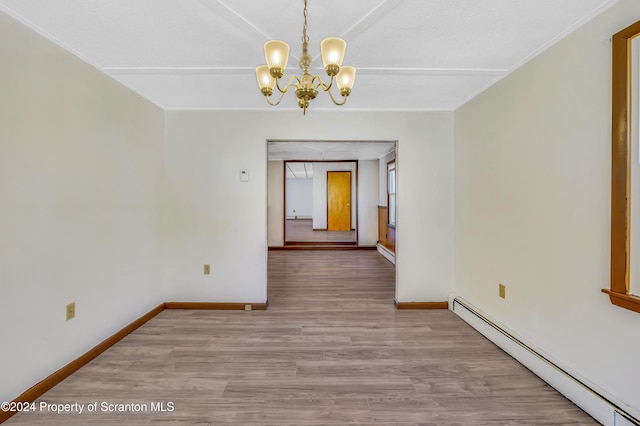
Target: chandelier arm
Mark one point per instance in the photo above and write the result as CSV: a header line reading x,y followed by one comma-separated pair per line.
x,y
277,102
344,98
321,84
291,80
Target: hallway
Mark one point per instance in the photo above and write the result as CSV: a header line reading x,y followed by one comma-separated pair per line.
x,y
301,230
331,349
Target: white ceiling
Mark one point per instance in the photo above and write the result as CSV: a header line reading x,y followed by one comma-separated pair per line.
x,y
299,170
410,54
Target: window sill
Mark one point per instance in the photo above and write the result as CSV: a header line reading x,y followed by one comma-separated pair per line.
x,y
626,301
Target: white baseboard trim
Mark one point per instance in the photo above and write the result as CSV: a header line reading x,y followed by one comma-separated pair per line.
x,y
390,256
596,402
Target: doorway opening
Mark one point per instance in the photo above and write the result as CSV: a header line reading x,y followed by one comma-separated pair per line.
x,y
351,180
301,201
320,203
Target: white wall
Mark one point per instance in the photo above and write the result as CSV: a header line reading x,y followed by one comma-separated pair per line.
x,y
320,192
367,202
81,172
532,201
214,218
299,198
275,203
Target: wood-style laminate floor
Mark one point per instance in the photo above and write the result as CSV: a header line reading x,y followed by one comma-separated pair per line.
x,y
301,230
330,350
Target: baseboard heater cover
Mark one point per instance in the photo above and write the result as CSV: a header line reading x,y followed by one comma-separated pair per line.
x,y
585,395
390,256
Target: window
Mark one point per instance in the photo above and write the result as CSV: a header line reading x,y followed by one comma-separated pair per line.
x,y
391,192
621,160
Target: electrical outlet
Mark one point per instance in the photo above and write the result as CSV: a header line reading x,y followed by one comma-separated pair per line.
x,y
71,310
502,290
207,269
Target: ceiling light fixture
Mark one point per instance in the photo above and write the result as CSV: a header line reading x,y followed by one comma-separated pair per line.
x,y
277,54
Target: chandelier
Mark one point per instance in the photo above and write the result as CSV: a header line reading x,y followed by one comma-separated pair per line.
x,y
332,50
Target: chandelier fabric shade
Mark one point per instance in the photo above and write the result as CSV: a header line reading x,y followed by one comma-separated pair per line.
x,y
332,50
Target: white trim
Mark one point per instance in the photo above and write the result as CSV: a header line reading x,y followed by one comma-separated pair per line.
x,y
42,32
597,11
267,108
598,403
152,70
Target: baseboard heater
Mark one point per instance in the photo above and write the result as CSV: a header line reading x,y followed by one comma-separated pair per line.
x,y
585,396
389,255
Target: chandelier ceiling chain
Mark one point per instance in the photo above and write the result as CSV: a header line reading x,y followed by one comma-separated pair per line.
x,y
305,37
306,87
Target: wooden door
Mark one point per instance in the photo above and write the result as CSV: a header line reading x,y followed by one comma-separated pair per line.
x,y
339,201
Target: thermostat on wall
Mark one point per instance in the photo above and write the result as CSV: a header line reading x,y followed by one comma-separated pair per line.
x,y
244,175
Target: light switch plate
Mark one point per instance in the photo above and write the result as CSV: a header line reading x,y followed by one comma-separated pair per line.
x,y
244,175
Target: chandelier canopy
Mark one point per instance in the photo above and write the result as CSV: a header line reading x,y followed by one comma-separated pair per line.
x,y
332,50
